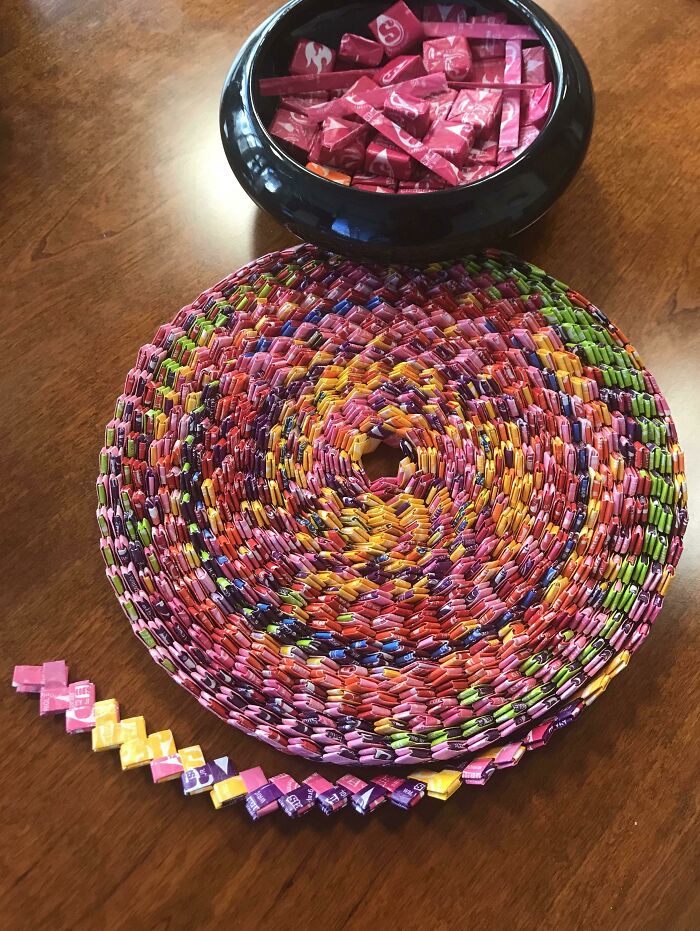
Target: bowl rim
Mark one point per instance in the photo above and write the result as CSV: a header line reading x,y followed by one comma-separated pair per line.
x,y
527,9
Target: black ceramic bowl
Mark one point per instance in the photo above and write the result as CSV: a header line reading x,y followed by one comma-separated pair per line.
x,y
398,227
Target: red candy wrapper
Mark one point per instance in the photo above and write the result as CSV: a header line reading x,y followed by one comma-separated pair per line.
x,y
304,83
479,108
311,58
451,140
293,128
534,65
385,160
397,29
489,71
414,147
469,175
510,110
486,153
302,102
528,134
488,48
440,105
403,68
535,105
356,50
408,112
450,55
343,145
374,181
373,188
444,13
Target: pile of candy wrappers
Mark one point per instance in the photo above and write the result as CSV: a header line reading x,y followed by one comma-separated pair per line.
x,y
422,106
500,578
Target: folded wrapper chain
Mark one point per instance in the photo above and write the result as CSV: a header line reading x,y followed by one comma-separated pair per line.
x,y
509,569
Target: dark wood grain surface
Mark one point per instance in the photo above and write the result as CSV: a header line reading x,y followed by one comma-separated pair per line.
x,y
117,207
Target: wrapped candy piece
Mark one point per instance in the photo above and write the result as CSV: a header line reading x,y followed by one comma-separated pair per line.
x,y
534,65
329,174
479,108
419,151
304,83
445,13
510,109
489,71
360,178
404,68
263,801
301,102
27,678
486,151
398,29
54,700
80,716
293,128
440,105
227,791
535,105
528,134
423,86
315,150
386,160
480,31
410,113
488,48
408,794
451,140
369,798
477,772
357,50
423,186
343,146
311,58
474,173
54,675
450,55
373,188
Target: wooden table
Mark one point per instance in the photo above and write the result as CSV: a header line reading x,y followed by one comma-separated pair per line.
x,y
117,208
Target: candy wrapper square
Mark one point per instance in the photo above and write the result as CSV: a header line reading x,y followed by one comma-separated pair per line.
x,y
486,152
382,159
535,105
359,51
534,65
398,29
299,103
510,121
409,112
448,140
450,55
441,104
488,48
444,13
347,148
294,129
487,72
311,58
479,108
404,68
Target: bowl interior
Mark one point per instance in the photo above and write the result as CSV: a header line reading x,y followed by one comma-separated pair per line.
x,y
327,23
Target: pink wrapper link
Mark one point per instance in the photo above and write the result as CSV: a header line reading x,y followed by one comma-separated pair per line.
x,y
259,795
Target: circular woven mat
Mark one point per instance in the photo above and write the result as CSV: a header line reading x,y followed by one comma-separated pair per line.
x,y
509,560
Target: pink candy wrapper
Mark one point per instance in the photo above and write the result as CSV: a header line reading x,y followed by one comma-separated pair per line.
x,y
303,83
440,105
403,68
397,29
293,128
311,58
444,13
414,147
510,110
356,50
385,160
411,114
479,31
534,65
489,48
479,108
489,71
451,140
450,55
535,105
